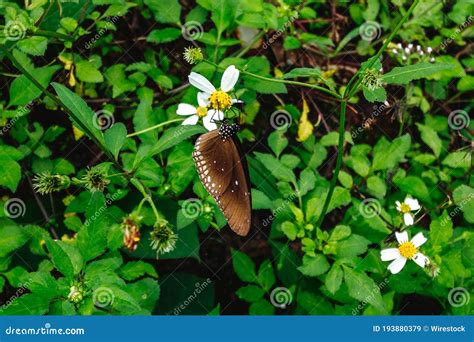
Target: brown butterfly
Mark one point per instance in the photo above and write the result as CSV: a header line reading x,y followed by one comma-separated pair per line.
x,y
223,171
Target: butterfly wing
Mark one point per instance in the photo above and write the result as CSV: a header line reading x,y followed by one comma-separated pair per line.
x,y
223,172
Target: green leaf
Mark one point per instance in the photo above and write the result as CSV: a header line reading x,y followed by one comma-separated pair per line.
x,y
314,266
376,186
441,229
289,229
23,91
82,115
166,12
162,36
387,154
250,293
303,72
266,276
262,307
340,233
10,173
173,136
431,138
375,95
88,72
12,238
406,74
333,279
415,186
244,267
352,246
277,142
66,258
463,196
260,200
115,137
222,14
277,169
458,160
35,46
136,269
363,288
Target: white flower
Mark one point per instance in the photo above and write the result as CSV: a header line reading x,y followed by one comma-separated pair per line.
x,y
407,250
208,115
409,205
217,99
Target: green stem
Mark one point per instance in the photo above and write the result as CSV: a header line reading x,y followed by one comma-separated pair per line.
x,y
348,93
153,127
279,80
45,33
340,152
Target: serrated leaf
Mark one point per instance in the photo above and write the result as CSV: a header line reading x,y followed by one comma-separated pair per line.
x,y
406,74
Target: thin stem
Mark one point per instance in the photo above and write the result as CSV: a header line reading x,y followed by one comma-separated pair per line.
x,y
350,90
45,33
153,127
278,80
340,152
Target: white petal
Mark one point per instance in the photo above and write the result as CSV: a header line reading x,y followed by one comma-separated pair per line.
x,y
397,265
408,219
401,237
389,254
399,205
412,203
420,259
186,109
236,101
418,240
208,122
200,82
192,120
229,78
203,99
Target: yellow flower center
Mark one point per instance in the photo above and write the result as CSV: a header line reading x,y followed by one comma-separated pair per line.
x,y
220,100
201,111
408,250
405,208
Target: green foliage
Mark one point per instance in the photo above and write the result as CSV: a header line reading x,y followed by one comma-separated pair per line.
x,y
89,120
